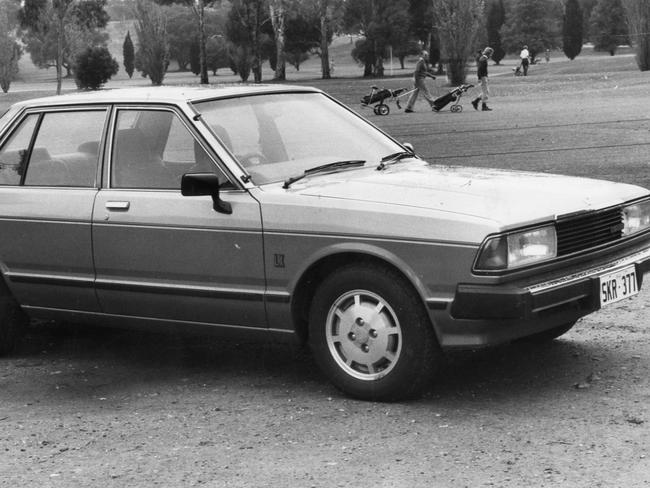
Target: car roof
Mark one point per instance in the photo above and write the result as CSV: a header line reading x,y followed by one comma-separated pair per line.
x,y
163,94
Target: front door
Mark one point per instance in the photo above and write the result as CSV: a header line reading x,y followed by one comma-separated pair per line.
x,y
162,256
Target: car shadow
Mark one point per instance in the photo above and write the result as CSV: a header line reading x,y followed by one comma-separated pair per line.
x,y
100,361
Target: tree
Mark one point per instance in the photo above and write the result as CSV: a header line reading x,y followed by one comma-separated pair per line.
x,y
535,23
326,14
277,14
128,54
587,7
457,23
10,51
244,31
199,11
55,31
217,54
422,32
608,26
384,24
638,18
94,67
152,56
195,56
181,29
302,36
572,29
496,16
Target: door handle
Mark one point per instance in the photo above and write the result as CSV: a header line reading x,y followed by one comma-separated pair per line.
x,y
123,206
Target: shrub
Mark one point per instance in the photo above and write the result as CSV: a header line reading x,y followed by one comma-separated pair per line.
x,y
94,67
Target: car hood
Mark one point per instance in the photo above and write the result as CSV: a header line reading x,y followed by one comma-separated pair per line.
x,y
507,198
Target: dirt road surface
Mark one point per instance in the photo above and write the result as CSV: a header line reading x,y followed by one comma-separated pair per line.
x,y
82,407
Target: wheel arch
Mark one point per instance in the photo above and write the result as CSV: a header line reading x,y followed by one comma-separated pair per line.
x,y
311,277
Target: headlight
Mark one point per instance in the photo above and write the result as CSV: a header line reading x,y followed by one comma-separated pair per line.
x,y
517,249
636,217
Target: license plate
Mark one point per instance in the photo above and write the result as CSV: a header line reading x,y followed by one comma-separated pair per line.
x,y
618,285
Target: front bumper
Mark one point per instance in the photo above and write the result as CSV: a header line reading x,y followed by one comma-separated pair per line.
x,y
489,314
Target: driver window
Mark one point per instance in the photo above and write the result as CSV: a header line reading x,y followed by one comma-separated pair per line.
x,y
152,149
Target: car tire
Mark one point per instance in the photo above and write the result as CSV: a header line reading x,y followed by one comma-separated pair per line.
x,y
12,323
370,334
550,334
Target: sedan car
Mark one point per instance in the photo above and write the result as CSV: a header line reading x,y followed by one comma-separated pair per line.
x,y
276,212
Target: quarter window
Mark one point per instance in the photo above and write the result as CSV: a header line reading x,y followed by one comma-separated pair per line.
x,y
13,156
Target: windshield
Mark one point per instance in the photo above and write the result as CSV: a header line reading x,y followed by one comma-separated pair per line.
x,y
278,136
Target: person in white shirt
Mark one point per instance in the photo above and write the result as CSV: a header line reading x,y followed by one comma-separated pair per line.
x,y
525,59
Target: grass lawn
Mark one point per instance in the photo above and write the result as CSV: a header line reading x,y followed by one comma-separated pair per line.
x,y
583,117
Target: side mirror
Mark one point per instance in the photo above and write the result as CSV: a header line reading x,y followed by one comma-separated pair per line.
x,y
409,146
197,184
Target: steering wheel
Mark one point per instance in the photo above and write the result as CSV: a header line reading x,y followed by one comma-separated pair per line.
x,y
252,159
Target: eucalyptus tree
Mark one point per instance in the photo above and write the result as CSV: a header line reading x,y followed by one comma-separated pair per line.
x,y
457,23
55,31
534,23
638,18
10,50
608,26
152,55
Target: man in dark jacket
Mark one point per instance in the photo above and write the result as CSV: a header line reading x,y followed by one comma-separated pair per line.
x,y
482,73
422,71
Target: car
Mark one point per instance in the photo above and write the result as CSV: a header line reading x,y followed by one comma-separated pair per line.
x,y
275,212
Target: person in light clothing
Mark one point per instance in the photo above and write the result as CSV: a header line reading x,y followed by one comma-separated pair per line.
x,y
524,55
482,73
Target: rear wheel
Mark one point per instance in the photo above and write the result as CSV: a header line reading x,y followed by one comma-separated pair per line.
x,y
370,334
12,323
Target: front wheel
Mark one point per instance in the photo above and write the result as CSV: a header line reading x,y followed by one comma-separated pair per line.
x,y
370,334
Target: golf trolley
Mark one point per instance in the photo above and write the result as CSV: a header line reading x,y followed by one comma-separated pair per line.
x,y
378,97
453,96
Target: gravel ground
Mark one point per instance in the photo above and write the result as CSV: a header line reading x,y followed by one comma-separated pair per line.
x,y
82,407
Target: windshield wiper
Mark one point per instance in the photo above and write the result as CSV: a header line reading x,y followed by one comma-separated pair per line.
x,y
393,158
323,168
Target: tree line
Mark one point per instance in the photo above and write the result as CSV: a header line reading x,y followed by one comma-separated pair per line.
x,y
242,35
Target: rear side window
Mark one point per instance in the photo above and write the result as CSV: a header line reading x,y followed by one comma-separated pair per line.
x,y
66,149
54,149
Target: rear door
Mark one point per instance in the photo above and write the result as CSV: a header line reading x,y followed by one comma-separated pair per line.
x,y
164,257
48,183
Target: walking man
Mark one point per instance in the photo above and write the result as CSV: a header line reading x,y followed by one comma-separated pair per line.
x,y
483,80
422,71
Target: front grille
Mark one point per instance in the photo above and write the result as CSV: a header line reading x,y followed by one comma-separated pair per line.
x,y
589,230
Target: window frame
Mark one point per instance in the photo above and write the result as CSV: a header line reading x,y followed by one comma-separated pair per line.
x,y
184,120
40,112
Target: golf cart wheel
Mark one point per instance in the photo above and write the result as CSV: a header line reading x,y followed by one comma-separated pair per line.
x,y
456,108
383,109
376,109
